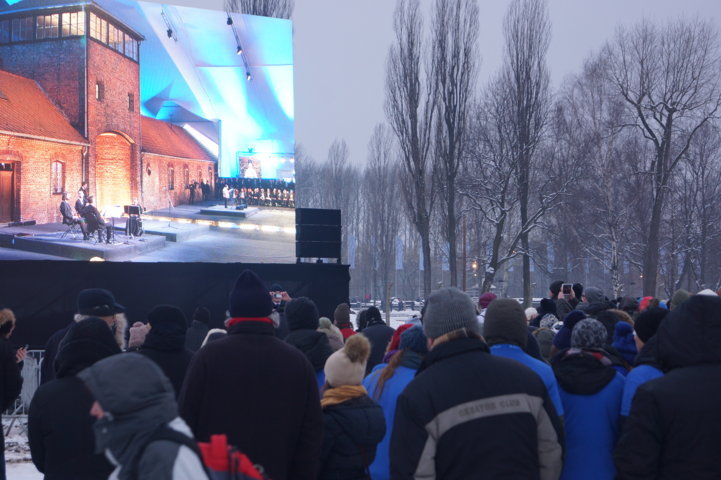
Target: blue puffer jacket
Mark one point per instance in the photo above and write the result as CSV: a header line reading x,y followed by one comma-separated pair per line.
x,y
380,469
591,391
647,369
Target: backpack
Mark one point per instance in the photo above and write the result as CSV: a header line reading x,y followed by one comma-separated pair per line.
x,y
220,460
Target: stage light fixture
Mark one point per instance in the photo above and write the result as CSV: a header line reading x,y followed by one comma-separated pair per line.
x,y
239,50
247,75
229,21
169,32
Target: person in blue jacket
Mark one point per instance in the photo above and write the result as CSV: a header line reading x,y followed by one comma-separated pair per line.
x,y
506,334
591,391
646,365
386,384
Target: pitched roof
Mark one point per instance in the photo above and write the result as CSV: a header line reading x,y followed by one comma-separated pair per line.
x,y
26,109
164,138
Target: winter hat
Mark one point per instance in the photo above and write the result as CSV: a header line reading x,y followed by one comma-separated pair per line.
x,y
276,287
249,298
547,306
505,323
678,296
548,321
395,342
448,310
578,290
202,315
85,343
486,299
137,334
544,337
414,339
335,337
555,287
342,315
301,313
588,333
594,295
531,313
573,317
623,341
707,292
98,302
609,320
644,303
373,315
648,321
347,366
167,319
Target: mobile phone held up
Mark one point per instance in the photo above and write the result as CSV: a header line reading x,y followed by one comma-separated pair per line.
x,y
567,288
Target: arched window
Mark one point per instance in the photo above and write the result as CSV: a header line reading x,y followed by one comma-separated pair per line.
x,y
58,177
171,177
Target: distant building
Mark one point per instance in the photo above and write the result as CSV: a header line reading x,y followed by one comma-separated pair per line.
x,y
69,112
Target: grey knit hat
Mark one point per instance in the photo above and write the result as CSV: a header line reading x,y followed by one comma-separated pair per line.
x,y
447,310
548,321
505,323
594,295
589,333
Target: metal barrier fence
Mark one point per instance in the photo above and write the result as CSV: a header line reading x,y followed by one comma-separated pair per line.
x,y
31,382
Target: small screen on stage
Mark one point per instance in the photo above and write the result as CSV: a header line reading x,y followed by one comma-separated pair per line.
x,y
165,133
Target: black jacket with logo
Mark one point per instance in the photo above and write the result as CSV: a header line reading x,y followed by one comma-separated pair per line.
x,y
469,414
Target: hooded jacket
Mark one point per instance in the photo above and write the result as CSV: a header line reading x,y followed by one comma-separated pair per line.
x,y
60,429
673,428
165,345
467,411
315,347
195,335
352,430
591,391
137,398
379,334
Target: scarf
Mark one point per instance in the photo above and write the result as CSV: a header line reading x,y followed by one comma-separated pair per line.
x,y
336,396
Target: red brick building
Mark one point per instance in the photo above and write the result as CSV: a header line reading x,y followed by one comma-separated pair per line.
x,y
69,112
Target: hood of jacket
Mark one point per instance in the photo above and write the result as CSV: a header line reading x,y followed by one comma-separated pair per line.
x,y
361,419
313,344
583,372
594,308
136,397
691,334
85,343
648,354
451,348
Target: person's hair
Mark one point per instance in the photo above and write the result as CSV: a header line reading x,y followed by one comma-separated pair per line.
x,y
555,287
7,321
624,316
90,199
65,195
202,315
387,372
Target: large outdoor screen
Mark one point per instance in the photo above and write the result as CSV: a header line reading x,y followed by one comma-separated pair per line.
x,y
141,131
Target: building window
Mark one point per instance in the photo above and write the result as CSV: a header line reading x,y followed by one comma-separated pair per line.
x,y
171,177
131,102
58,177
5,31
186,176
73,24
22,29
47,26
131,47
99,91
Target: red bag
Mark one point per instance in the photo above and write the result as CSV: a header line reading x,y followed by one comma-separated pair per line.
x,y
225,462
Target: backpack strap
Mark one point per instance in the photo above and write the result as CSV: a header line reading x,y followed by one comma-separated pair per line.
x,y
164,432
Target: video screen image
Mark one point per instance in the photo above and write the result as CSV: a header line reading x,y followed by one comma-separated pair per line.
x,y
141,131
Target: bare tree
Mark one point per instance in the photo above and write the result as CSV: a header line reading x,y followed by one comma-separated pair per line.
x,y
410,105
668,78
262,8
340,187
453,55
308,178
527,32
381,207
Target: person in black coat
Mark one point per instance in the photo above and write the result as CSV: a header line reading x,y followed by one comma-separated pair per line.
x,y
256,389
198,329
469,414
353,424
165,343
11,382
60,428
302,315
673,428
379,334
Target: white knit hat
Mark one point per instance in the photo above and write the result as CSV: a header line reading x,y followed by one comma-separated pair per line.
x,y
347,366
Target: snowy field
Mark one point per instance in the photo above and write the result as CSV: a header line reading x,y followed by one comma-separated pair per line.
x,y
17,453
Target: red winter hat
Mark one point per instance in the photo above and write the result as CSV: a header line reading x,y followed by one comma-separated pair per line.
x,y
396,338
486,299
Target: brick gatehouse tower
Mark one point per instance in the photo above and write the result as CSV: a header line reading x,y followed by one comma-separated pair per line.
x,y
69,112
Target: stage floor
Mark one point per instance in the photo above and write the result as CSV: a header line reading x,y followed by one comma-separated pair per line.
x,y
180,234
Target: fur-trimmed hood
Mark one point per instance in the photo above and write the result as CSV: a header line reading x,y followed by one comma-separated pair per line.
x,y
121,323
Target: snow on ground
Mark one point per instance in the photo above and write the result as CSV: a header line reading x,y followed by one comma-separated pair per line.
x,y
17,452
397,318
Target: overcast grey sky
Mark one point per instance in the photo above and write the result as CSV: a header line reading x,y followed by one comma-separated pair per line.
x,y
341,48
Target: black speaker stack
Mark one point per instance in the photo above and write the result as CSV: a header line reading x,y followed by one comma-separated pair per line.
x,y
317,233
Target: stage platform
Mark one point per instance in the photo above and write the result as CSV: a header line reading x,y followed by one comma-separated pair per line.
x,y
172,231
47,240
221,211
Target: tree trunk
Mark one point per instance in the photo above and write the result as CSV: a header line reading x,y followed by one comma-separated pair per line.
x,y
452,237
650,258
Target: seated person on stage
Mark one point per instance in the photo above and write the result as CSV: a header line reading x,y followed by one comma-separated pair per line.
x,y
80,203
69,218
96,221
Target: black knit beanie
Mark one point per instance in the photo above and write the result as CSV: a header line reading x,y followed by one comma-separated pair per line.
x,y
505,322
250,298
302,313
